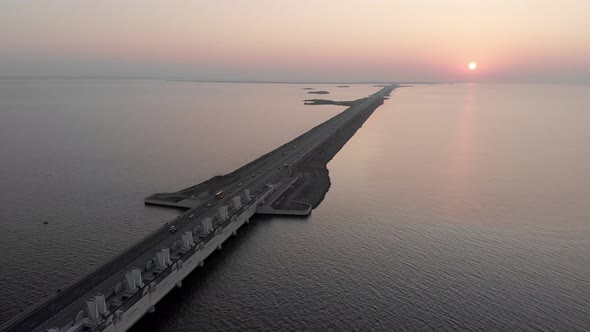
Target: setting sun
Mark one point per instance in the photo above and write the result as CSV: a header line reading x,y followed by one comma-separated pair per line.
x,y
472,65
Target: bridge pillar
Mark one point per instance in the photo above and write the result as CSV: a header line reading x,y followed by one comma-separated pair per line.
x,y
179,284
137,277
79,317
219,247
222,213
186,242
92,310
207,227
152,309
237,202
166,252
226,214
101,304
191,239
118,288
160,262
130,283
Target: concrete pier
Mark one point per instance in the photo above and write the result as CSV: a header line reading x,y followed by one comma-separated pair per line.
x,y
117,294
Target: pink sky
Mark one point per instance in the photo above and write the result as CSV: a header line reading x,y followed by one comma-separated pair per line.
x,y
321,40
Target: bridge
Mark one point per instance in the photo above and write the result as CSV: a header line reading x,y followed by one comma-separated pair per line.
x,y
117,294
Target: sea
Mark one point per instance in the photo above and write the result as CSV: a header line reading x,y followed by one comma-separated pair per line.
x,y
456,207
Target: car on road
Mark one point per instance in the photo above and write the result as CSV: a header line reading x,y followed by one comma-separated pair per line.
x,y
191,216
253,175
172,229
208,204
239,184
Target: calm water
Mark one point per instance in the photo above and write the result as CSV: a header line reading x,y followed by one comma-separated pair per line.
x,y
456,207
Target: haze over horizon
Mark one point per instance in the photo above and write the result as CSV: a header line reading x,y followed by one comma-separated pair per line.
x,y
264,40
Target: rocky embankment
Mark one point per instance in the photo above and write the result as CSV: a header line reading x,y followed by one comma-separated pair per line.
x,y
314,182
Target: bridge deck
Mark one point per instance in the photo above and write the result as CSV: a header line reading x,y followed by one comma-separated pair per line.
x,y
62,308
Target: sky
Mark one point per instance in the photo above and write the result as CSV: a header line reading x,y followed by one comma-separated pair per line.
x,y
299,40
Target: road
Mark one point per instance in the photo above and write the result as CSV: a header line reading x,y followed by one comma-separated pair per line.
x,y
64,306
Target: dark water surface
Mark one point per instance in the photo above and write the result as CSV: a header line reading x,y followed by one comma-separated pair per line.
x,y
455,207
82,155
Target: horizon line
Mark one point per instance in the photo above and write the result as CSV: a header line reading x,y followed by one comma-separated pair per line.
x,y
189,80
181,79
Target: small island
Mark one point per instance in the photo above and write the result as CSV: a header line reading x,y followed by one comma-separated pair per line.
x,y
319,92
